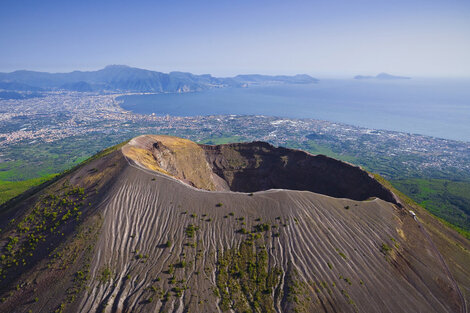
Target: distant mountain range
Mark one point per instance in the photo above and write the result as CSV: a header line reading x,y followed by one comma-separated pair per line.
x,y
125,78
381,76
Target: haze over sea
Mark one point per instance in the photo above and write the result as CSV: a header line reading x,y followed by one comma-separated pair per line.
x,y
434,107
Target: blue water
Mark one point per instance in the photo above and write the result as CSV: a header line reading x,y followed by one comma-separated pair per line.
x,y
439,108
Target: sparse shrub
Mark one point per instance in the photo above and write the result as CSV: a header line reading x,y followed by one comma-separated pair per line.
x,y
346,207
385,249
80,275
191,230
105,275
166,297
242,231
249,275
168,244
178,291
262,227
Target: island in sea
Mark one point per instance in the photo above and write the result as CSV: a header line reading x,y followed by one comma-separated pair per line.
x,y
381,76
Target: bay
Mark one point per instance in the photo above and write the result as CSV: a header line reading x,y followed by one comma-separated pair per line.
x,y
434,107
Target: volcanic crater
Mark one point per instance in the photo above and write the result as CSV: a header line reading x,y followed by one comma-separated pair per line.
x,y
162,224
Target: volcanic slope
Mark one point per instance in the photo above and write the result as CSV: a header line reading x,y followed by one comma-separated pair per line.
x,y
162,224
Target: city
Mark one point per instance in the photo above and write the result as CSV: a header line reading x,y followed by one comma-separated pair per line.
x,y
62,116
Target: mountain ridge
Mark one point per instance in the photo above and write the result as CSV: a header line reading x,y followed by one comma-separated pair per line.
x,y
126,78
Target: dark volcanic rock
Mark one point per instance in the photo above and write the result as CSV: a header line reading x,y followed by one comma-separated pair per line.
x,y
256,166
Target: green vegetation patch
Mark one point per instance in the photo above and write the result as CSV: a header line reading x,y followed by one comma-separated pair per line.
x,y
244,281
385,248
261,227
105,275
298,292
446,199
191,230
412,203
10,189
47,219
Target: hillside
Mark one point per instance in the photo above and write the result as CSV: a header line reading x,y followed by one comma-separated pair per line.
x,y
130,79
445,198
164,224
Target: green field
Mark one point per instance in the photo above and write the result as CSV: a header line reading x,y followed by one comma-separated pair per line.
x,y
449,200
28,161
10,189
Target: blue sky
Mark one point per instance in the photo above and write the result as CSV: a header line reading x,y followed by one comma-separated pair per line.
x,y
322,38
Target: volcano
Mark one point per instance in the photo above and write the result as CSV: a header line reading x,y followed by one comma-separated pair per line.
x,y
163,224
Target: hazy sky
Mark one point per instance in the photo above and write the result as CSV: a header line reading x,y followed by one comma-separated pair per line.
x,y
323,38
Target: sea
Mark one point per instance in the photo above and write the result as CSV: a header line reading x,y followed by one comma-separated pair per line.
x,y
434,107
